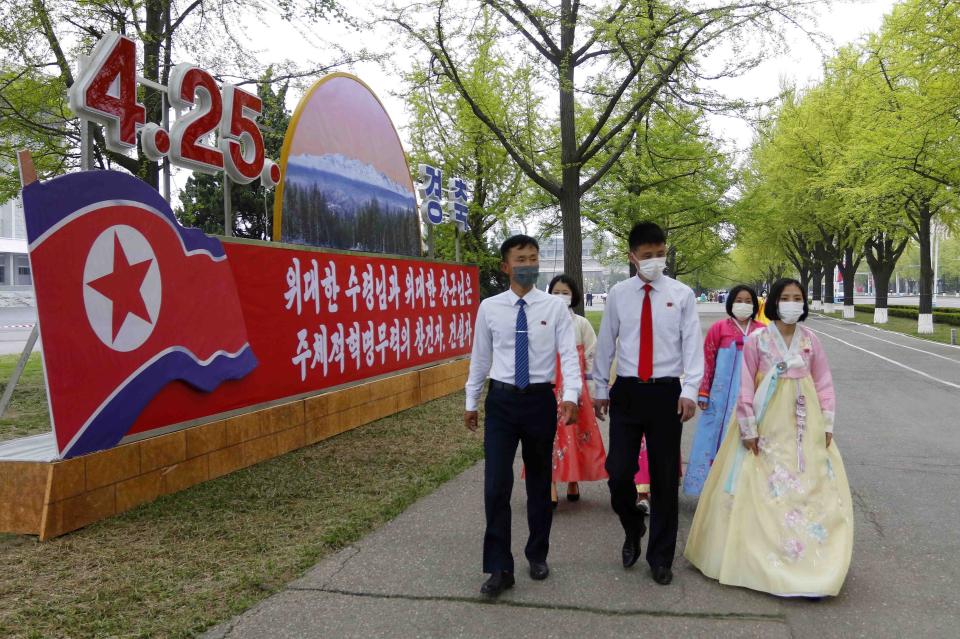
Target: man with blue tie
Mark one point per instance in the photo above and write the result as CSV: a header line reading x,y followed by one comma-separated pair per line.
x,y
516,341
651,323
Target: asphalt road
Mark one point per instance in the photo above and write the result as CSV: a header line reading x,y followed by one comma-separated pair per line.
x,y
898,412
15,325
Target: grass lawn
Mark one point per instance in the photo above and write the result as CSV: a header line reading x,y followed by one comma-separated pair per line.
x,y
27,413
941,332
594,317
189,560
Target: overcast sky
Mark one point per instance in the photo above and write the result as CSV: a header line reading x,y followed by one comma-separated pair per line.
x,y
842,22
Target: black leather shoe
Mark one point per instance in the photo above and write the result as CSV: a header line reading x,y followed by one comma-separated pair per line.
x,y
539,570
497,583
631,548
662,575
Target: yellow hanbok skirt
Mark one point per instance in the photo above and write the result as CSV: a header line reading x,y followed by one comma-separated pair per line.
x,y
764,523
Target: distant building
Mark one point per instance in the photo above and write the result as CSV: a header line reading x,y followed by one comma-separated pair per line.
x,y
14,265
597,277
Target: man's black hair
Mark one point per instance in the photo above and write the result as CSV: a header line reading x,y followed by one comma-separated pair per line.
x,y
646,233
736,290
772,309
517,241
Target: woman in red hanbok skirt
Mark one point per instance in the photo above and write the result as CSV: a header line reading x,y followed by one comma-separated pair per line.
x,y
578,453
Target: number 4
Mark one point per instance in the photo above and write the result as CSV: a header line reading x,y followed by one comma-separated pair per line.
x,y
106,91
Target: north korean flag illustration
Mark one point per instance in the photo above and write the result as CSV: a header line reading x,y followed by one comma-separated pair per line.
x,y
128,301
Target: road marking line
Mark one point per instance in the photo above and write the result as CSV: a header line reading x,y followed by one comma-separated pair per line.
x,y
880,339
887,359
887,330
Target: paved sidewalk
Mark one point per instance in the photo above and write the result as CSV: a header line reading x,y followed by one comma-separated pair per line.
x,y
419,575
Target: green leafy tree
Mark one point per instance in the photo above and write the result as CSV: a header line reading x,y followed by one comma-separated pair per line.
x,y
676,175
605,65
444,131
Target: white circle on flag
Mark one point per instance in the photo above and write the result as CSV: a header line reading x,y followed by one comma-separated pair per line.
x,y
131,330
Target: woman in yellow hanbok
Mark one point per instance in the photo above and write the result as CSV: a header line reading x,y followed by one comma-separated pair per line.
x,y
775,514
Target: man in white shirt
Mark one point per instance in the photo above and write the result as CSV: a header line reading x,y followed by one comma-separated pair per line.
x,y
516,340
650,322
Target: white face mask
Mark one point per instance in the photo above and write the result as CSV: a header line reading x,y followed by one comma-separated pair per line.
x,y
790,312
651,269
566,297
742,311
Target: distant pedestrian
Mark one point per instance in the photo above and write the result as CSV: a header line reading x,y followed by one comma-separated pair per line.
x,y
589,299
517,338
776,514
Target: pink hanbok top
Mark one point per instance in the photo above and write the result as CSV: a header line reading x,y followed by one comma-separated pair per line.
x,y
721,335
765,350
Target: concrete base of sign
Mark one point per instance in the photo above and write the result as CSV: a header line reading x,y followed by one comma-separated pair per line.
x,y
49,499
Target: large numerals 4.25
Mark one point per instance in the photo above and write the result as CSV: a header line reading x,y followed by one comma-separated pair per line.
x,y
105,91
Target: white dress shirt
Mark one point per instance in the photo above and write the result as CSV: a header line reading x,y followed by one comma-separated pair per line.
x,y
549,331
677,340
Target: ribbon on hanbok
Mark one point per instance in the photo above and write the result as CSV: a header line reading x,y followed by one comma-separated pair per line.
x,y
761,399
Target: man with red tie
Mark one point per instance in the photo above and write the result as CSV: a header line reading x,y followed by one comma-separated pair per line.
x,y
650,323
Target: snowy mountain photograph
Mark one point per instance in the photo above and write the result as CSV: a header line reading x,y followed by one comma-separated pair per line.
x,y
339,202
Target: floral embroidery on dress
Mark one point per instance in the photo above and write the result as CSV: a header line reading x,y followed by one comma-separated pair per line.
x,y
794,548
781,480
794,519
830,470
817,531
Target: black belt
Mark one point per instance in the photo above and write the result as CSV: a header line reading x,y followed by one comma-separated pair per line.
x,y
529,388
652,380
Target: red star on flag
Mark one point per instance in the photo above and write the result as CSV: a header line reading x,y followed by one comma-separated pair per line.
x,y
122,287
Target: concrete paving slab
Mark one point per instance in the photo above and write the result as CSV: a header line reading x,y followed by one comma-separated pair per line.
x,y
307,614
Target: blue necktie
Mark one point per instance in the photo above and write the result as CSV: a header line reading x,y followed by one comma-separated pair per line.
x,y
521,355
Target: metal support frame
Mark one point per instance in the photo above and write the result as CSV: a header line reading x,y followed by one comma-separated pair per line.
x,y
28,175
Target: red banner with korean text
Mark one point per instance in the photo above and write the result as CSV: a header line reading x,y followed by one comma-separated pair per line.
x,y
316,319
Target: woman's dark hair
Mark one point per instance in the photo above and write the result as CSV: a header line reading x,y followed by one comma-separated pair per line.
x,y
772,309
736,290
574,289
646,233
516,241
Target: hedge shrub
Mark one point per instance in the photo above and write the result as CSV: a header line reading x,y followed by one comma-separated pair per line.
x,y
949,316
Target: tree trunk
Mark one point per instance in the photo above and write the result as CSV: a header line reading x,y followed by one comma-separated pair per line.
x,y
882,257
816,272
848,268
570,182
804,278
924,237
154,14
828,287
828,257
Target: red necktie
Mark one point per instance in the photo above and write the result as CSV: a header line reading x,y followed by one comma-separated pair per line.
x,y
645,364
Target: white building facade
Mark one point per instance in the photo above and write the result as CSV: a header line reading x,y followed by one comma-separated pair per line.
x,y
597,277
14,264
